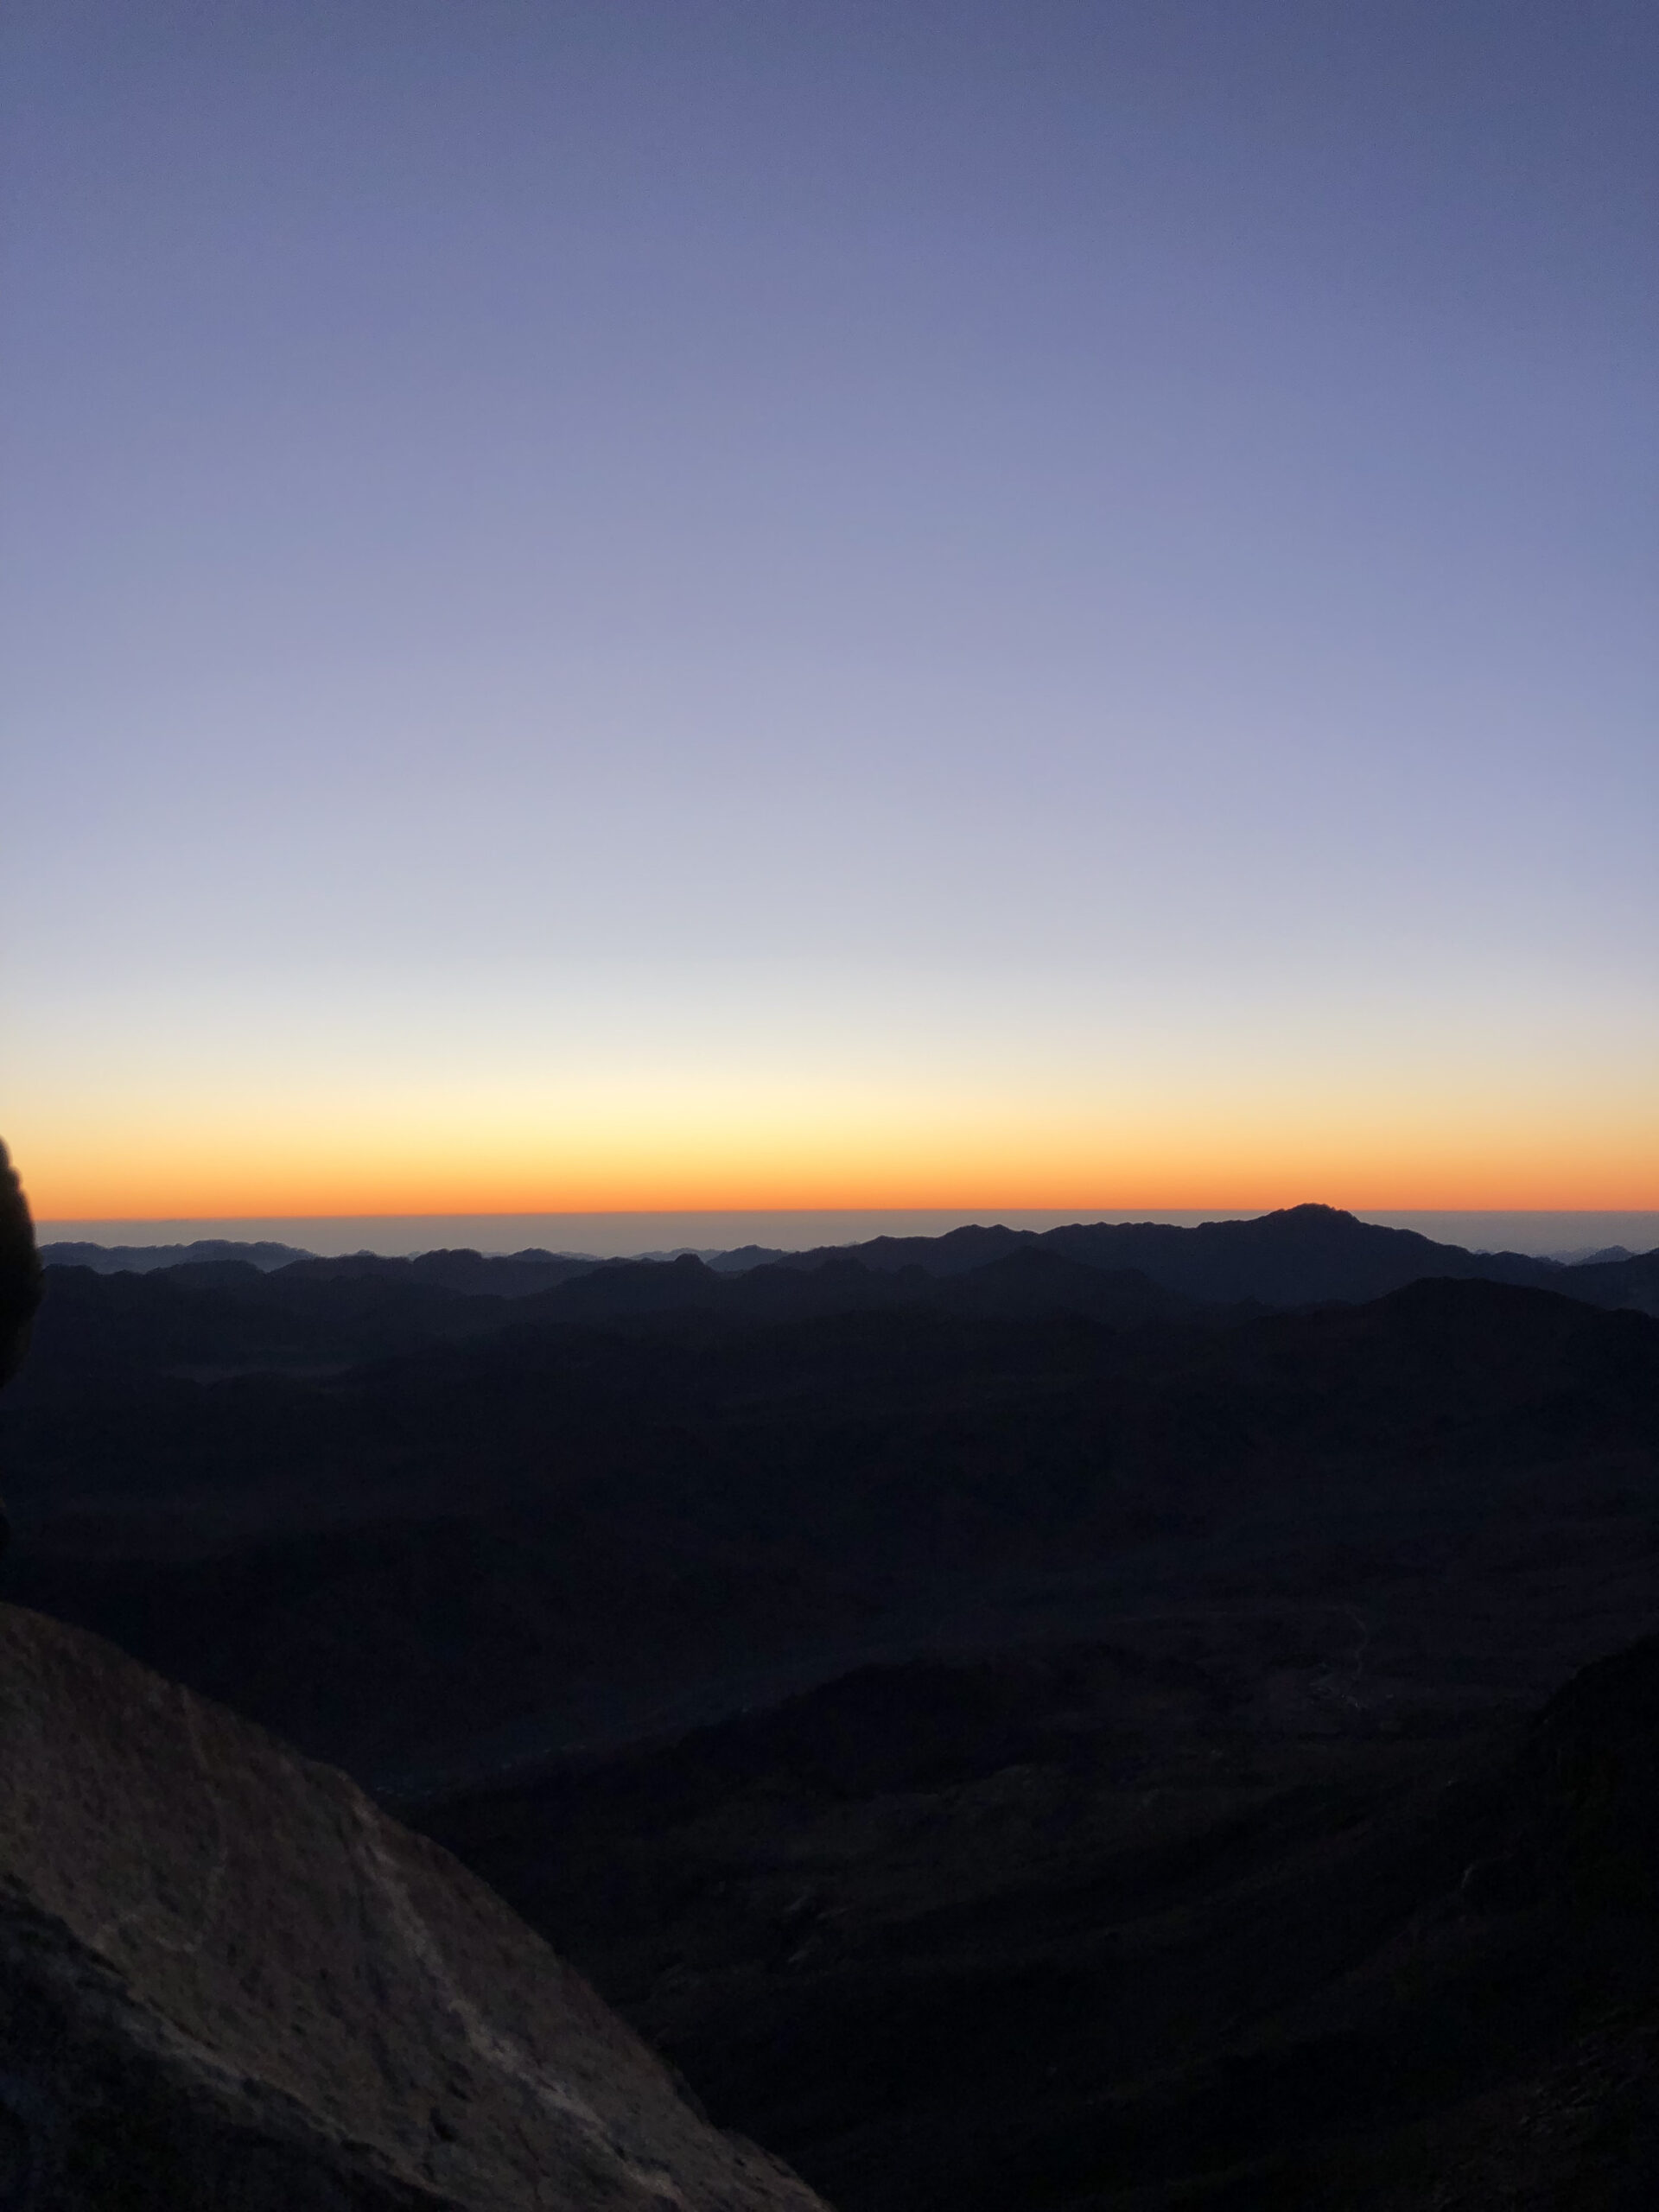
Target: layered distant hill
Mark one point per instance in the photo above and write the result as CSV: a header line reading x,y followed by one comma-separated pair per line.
x,y
1305,1255
143,1259
1301,1255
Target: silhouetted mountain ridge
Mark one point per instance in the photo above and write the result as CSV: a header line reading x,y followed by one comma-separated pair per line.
x,y
1305,1254
141,1259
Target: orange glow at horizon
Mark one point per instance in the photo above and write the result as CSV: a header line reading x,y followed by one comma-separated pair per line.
x,y
161,1177
116,1117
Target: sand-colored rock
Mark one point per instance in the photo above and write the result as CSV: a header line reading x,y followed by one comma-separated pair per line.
x,y
229,1983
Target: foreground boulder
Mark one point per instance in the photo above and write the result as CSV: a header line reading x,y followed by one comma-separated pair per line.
x,y
229,1983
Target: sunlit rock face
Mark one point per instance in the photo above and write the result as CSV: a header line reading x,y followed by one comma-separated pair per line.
x,y
228,1984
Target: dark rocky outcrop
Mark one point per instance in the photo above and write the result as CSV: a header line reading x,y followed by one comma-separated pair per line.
x,y
1579,1820
228,1984
20,1271
20,1286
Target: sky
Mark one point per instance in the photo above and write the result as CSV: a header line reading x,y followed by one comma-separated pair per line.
x,y
672,606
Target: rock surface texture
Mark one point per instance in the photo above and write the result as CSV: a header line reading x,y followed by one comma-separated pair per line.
x,y
229,1983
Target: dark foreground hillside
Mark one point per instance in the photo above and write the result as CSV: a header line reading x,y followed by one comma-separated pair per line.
x,y
1090,1929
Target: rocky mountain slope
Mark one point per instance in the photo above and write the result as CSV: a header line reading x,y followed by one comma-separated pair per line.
x,y
228,1984
1168,1923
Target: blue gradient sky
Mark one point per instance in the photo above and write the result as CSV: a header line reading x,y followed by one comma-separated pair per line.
x,y
829,605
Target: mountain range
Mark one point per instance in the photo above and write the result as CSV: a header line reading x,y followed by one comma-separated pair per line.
x,y
1119,1721
1301,1256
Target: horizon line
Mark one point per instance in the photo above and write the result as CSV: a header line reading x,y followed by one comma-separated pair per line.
x,y
759,1213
